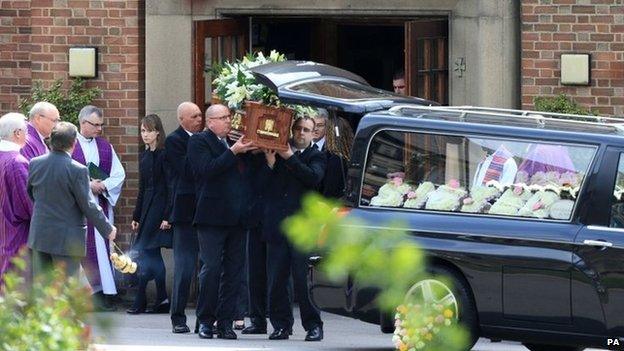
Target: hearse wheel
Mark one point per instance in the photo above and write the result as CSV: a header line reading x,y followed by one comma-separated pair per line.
x,y
453,292
542,347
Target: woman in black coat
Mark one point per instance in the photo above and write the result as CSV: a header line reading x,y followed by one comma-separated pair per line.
x,y
150,217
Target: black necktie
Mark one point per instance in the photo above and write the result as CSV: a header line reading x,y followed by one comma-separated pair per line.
x,y
224,142
298,152
315,146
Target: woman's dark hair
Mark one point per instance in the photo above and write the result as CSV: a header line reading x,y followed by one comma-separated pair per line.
x,y
153,123
339,144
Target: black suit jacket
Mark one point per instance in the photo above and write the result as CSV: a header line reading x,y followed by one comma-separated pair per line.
x,y
334,180
222,188
182,196
286,184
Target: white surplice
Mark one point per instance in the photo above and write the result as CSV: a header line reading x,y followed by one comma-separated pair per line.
x,y
113,190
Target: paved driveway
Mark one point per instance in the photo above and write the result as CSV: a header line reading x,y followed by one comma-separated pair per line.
x,y
153,333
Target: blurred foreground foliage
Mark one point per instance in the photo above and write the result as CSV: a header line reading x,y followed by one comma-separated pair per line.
x,y
49,314
381,256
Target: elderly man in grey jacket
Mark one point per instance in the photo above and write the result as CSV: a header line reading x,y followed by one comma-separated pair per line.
x,y
59,188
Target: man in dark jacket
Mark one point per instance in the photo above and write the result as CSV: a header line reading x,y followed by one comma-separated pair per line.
x,y
182,200
221,209
290,174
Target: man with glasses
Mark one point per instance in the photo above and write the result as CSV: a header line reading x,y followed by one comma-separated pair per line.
x,y
289,175
43,116
222,194
106,178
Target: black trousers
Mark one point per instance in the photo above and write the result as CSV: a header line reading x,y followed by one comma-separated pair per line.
x,y
185,249
284,260
222,252
151,266
242,302
257,277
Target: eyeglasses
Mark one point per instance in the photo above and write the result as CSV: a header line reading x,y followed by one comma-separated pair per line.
x,y
302,129
54,120
222,118
319,126
96,125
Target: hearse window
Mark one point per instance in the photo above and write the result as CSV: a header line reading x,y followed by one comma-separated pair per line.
x,y
617,207
342,90
474,175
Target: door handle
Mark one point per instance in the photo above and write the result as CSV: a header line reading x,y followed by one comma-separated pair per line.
x,y
597,243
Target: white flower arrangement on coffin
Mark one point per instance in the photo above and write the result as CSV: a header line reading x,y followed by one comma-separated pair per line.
x,y
235,83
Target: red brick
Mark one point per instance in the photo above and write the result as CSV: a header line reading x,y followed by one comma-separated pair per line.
x,y
564,36
601,37
584,9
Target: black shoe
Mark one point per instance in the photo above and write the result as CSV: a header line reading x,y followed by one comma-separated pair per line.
x,y
314,334
205,331
162,307
279,334
181,329
254,329
226,333
100,303
196,326
135,310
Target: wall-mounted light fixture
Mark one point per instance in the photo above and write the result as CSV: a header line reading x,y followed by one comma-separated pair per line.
x,y
83,62
575,69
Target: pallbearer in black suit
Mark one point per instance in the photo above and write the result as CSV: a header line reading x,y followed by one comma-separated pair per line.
x,y
151,216
290,174
182,199
334,137
222,194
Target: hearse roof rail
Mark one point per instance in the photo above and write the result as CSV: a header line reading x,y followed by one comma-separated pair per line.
x,y
539,117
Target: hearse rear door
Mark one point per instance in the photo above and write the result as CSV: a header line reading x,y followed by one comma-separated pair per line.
x,y
321,85
598,290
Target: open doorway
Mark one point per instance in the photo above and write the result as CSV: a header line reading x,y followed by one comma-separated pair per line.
x,y
372,47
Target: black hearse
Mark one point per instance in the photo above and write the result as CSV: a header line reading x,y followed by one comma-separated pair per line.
x,y
522,211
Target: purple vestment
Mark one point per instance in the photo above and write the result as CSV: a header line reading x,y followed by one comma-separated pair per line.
x,y
90,262
546,158
34,145
16,206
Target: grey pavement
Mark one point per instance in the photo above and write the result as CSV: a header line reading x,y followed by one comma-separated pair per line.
x,y
153,333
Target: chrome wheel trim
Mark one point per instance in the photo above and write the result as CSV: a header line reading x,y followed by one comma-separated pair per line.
x,y
433,291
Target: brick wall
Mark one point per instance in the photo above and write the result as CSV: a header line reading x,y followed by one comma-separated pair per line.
x,y
35,38
552,27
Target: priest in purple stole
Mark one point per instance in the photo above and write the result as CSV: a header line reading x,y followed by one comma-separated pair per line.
x,y
91,148
42,117
14,200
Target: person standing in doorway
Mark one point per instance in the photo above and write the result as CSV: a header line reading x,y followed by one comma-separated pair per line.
x,y
398,82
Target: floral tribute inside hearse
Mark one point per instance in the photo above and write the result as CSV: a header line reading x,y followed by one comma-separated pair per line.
x,y
474,175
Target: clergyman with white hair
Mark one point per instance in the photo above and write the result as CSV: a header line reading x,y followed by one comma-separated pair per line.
x,y
43,116
14,201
